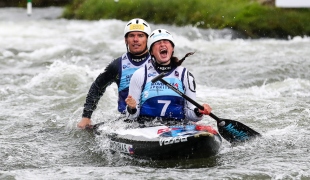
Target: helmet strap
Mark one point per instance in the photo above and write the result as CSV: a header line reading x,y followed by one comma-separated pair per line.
x,y
127,47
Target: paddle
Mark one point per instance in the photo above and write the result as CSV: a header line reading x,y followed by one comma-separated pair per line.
x,y
94,127
232,131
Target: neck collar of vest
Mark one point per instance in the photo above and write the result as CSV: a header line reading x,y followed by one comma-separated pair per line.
x,y
162,68
138,59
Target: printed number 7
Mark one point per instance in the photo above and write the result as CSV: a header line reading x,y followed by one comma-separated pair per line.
x,y
166,104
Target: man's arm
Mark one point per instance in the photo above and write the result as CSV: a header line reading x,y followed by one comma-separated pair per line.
x,y
96,91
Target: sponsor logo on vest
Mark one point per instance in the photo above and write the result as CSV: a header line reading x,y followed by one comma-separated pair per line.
x,y
128,77
121,147
172,140
152,74
163,68
126,66
138,59
176,73
238,134
159,85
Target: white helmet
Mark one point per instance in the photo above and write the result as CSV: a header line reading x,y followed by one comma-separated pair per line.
x,y
159,34
137,25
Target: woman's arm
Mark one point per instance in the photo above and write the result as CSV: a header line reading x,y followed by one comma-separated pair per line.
x,y
190,91
134,95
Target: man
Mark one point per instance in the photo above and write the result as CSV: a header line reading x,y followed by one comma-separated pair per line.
x,y
120,70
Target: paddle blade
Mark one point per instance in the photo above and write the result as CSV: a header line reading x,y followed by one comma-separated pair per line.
x,y
234,131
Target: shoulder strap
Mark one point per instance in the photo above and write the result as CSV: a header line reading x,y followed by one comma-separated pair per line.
x,y
183,73
119,60
145,72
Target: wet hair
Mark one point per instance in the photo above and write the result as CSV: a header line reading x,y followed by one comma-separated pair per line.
x,y
176,62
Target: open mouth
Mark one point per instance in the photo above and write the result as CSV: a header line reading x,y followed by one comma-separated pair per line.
x,y
163,52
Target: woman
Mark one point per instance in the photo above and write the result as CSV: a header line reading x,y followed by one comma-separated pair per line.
x,y
148,101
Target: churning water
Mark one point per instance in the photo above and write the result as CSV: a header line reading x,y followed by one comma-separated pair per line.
x,y
48,64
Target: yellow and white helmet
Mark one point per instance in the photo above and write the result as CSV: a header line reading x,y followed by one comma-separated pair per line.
x,y
157,35
137,25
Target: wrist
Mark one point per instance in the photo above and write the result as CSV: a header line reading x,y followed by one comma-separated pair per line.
x,y
131,110
87,114
196,111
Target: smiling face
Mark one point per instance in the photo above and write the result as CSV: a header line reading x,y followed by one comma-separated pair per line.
x,y
136,42
162,50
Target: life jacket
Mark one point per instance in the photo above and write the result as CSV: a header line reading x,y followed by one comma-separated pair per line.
x,y
126,69
158,100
